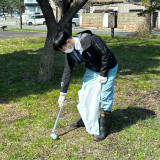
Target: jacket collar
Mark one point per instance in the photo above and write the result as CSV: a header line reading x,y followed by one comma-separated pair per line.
x,y
81,36
77,43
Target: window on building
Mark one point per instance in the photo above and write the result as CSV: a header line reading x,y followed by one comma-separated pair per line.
x,y
37,17
39,10
32,17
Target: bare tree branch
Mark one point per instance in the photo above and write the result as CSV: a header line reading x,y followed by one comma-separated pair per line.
x,y
47,65
78,4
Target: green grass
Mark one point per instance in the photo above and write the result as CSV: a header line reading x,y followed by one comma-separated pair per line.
x,y
28,109
18,29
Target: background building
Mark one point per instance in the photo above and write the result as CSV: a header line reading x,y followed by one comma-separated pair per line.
x,y
32,7
119,7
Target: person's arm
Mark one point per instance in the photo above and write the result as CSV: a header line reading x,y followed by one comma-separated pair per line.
x,y
69,64
102,49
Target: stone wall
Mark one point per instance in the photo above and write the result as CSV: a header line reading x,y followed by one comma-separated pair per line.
x,y
92,19
129,21
126,21
126,8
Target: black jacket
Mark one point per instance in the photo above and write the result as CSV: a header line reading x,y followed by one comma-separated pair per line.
x,y
96,54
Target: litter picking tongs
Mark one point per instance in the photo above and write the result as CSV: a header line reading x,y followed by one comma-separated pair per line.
x,y
53,135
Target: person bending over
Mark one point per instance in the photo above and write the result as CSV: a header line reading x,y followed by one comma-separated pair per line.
x,y
100,63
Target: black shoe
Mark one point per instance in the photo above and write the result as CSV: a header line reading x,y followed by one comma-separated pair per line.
x,y
77,124
103,126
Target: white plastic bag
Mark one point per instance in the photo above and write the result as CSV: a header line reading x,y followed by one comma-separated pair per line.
x,y
89,105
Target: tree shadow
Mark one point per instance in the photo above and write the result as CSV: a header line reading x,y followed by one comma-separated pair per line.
x,y
19,72
122,118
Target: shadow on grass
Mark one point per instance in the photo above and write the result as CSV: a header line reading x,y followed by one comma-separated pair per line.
x,y
19,69
72,129
122,118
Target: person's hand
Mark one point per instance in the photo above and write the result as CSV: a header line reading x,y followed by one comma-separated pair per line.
x,y
61,100
101,79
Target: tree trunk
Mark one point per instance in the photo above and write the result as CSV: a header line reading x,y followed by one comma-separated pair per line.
x,y
147,24
46,71
20,14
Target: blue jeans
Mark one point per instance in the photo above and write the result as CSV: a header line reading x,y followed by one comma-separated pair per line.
x,y
107,88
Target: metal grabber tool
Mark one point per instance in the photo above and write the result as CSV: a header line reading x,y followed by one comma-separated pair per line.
x,y
53,135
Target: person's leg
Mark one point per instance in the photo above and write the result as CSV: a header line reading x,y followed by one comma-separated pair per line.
x,y
89,74
106,104
108,89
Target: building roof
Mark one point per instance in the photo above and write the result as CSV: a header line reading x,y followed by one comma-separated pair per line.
x,y
135,0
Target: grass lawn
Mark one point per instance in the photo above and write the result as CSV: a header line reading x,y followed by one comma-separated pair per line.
x,y
30,30
28,109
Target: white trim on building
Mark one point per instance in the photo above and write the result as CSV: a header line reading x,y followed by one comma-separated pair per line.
x,y
120,7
